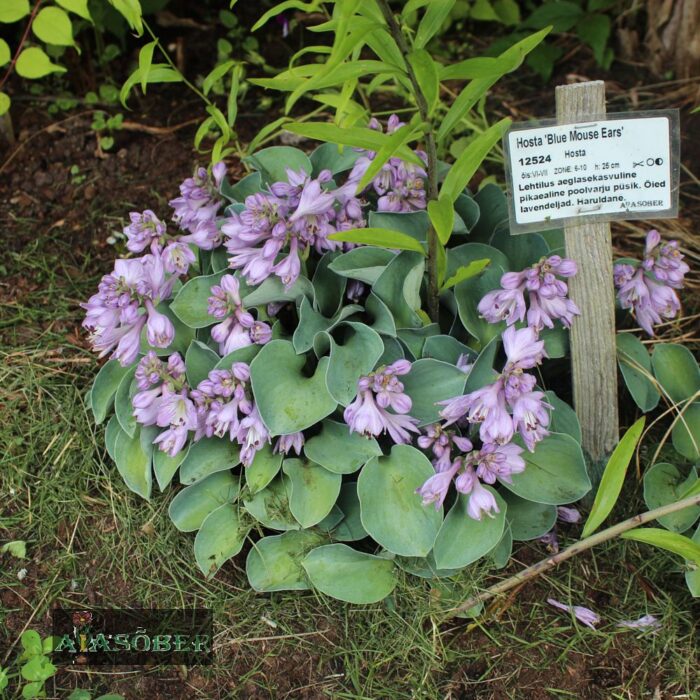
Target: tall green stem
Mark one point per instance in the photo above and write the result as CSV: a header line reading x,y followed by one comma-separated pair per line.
x,y
576,548
431,150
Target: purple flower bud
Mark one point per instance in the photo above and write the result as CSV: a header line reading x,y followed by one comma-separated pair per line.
x,y
159,329
568,515
481,502
288,443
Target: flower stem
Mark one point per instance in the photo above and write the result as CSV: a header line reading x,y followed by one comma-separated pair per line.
x,y
431,151
581,546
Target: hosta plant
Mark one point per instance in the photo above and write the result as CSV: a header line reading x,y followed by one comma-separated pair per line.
x,y
293,385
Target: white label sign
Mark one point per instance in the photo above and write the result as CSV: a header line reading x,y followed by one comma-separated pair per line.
x,y
610,169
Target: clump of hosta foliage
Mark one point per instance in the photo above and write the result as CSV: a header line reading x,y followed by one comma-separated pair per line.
x,y
292,382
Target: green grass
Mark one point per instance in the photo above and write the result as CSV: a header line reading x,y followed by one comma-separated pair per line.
x,y
91,542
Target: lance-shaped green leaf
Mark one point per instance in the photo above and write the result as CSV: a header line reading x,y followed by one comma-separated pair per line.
x,y
436,12
221,536
392,512
471,159
379,237
613,478
692,576
426,73
670,541
465,272
442,217
346,574
289,401
476,89
356,137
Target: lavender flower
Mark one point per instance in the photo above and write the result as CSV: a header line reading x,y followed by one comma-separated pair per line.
x,y
481,501
644,622
648,289
224,406
115,315
550,540
568,515
238,327
145,230
289,443
199,198
583,615
546,293
380,390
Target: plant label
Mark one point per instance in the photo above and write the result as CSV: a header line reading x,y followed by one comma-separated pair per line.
x,y
623,166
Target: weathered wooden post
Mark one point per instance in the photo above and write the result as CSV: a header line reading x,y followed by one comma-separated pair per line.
x,y
593,354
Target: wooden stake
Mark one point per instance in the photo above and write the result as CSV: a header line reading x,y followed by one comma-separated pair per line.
x,y
593,355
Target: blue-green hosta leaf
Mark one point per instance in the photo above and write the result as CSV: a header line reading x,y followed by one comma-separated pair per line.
x,y
563,418
429,382
339,450
105,387
463,255
522,250
556,341
350,528
555,473
482,372
271,506
165,466
111,432
613,477
192,505
274,563
686,432
246,186
200,359
346,574
447,349
329,156
364,263
123,407
528,520
635,366
287,400
676,369
399,288
380,315
462,540
221,536
414,224
245,354
311,323
355,357
133,461
493,212
414,339
424,567
273,290
500,554
312,490
263,470
208,456
468,295
273,162
664,484
190,304
392,511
